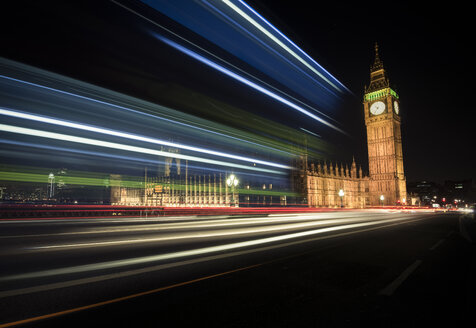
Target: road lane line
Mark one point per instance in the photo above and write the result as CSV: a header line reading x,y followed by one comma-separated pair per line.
x,y
119,299
392,287
441,241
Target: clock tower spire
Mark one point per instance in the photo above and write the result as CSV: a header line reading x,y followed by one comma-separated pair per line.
x,y
378,76
384,141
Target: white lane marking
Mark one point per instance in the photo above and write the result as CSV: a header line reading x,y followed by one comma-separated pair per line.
x,y
392,287
70,283
441,241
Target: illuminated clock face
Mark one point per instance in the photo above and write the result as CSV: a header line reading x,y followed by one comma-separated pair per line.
x,y
377,108
395,106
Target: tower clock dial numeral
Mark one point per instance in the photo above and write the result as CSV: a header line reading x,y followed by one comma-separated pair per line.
x,y
395,107
377,108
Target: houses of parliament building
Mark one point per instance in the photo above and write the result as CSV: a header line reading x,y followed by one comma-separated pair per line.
x,y
320,184
385,183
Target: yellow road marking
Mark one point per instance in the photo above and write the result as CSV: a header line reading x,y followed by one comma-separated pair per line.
x,y
115,300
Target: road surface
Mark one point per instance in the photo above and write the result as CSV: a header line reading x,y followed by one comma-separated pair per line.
x,y
331,269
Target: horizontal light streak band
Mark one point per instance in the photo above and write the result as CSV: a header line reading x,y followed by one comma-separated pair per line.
x,y
192,235
194,252
80,126
113,145
191,126
215,223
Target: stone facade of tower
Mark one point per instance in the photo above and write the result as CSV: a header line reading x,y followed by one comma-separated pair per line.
x,y
384,140
386,183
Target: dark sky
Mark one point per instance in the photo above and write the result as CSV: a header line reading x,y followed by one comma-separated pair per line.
x,y
424,48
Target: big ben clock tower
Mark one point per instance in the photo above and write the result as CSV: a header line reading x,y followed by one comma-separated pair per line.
x,y
387,184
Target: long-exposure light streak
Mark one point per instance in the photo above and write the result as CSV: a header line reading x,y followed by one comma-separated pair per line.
x,y
204,223
221,59
277,41
76,151
277,52
106,144
198,251
246,81
90,128
138,112
191,235
291,42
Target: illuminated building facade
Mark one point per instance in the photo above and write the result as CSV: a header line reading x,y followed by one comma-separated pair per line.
x,y
386,183
321,184
172,186
384,139
324,182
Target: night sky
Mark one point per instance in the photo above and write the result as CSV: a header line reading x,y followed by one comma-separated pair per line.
x,y
424,49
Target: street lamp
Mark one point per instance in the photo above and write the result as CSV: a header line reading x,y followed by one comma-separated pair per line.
x,y
382,198
341,194
232,182
51,180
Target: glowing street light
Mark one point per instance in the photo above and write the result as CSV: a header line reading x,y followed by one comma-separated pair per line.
x,y
341,195
51,181
382,198
232,182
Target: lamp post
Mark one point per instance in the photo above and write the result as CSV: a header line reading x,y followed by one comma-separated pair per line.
x,y
382,198
232,182
51,180
341,194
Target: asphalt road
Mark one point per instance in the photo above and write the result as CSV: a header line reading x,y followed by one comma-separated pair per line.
x,y
331,269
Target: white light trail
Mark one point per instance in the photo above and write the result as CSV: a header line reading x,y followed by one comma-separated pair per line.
x,y
113,145
90,128
198,251
141,113
192,235
247,82
291,42
277,41
230,64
